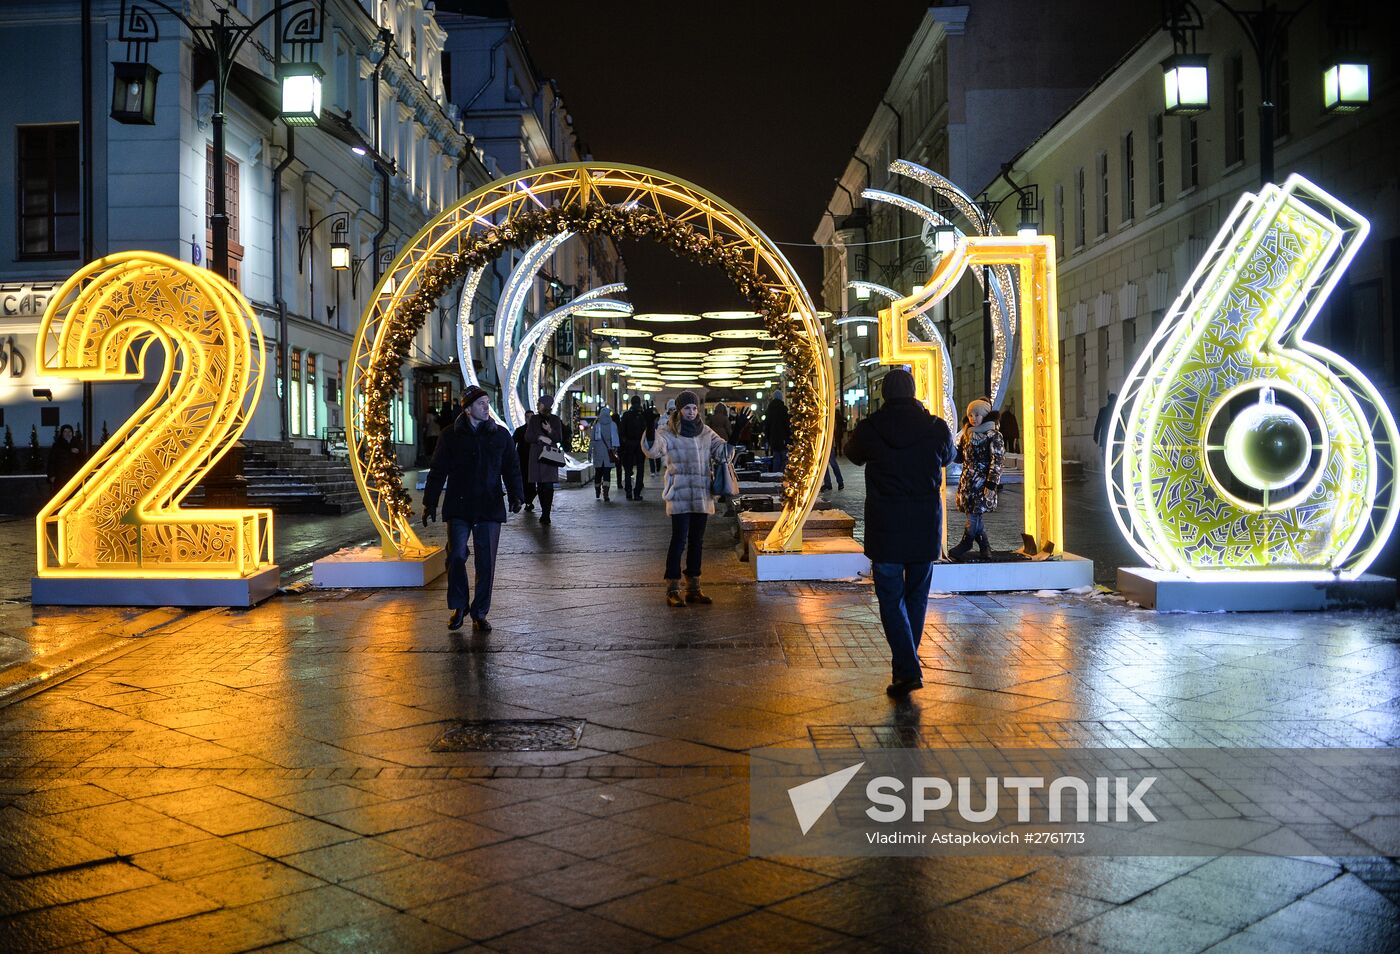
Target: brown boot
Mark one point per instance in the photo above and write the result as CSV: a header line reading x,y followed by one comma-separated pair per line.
x,y
673,593
692,592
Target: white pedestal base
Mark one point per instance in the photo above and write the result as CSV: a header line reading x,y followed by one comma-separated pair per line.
x,y
128,591
1169,592
365,568
822,558
1067,573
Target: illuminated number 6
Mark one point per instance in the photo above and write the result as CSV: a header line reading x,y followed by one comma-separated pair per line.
x,y
1238,445
120,515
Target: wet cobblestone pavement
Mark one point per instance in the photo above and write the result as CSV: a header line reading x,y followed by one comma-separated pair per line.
x,y
264,779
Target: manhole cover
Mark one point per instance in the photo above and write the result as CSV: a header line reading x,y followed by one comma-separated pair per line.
x,y
511,735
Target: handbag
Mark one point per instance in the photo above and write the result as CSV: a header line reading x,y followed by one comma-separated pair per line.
x,y
724,482
552,455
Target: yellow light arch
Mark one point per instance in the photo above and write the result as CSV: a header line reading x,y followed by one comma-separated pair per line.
x,y
121,514
487,213
1040,361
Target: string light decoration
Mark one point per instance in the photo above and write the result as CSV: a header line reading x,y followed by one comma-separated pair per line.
x,y
120,516
625,202
1237,447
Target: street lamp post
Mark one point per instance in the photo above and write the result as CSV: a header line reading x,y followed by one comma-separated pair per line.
x,y
1346,79
222,40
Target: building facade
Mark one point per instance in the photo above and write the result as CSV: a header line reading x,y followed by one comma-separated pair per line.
x,y
1133,198
387,154
964,99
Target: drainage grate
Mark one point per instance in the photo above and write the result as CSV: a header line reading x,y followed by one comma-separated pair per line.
x,y
511,735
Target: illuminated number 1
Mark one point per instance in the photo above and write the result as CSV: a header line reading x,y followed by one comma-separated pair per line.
x,y
121,514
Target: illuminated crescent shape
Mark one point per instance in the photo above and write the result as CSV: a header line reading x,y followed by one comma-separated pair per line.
x,y
530,351
1005,306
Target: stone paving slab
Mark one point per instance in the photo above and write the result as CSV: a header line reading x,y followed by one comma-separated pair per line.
x,y
263,779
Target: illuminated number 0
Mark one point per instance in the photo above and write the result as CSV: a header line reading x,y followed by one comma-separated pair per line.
x,y
121,514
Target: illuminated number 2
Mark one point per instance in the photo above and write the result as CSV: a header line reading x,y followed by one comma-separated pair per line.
x,y
120,515
1238,445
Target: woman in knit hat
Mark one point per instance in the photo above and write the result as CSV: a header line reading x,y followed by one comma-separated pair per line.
x,y
981,451
690,449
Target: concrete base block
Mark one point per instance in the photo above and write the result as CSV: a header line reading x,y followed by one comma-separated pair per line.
x,y
755,525
576,475
1067,573
1238,592
355,568
129,591
828,558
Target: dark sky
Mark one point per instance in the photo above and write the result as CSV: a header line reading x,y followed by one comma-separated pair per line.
x,y
762,103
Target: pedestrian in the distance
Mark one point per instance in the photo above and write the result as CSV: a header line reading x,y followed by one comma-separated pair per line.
x,y
475,457
605,445
631,430
544,430
691,449
1010,429
719,421
777,427
981,451
904,449
65,457
522,451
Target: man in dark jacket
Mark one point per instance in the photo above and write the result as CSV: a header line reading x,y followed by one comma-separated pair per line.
x,y
474,456
906,449
629,435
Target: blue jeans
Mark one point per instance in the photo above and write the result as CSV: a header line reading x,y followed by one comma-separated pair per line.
x,y
486,534
687,534
902,589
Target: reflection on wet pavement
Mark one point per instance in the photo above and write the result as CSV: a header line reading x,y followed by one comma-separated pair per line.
x,y
239,780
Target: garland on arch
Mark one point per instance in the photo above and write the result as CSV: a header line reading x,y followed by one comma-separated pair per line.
x,y
384,373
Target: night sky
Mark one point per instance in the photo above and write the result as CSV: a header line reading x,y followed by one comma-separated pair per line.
x,y
762,103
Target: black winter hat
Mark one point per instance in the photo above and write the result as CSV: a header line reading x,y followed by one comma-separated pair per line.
x,y
898,383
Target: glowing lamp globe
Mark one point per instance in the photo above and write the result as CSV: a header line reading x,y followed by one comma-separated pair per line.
x,y
1267,445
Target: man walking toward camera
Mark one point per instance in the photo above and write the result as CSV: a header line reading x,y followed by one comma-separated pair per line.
x,y
474,456
905,449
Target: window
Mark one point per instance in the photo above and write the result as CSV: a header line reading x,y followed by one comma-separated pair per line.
x,y
1282,91
295,407
1234,112
1079,201
1101,168
445,59
1103,364
1159,160
1190,155
311,395
1129,205
1061,233
235,250
1081,369
48,191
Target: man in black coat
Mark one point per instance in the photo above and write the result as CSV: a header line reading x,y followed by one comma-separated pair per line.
x,y
474,457
906,449
630,431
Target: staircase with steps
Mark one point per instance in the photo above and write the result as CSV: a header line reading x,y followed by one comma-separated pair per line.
x,y
289,479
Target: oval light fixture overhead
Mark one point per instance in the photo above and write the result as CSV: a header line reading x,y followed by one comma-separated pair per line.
x,y
620,333
730,315
681,338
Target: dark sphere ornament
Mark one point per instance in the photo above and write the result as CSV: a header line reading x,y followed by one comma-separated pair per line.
x,y
1267,445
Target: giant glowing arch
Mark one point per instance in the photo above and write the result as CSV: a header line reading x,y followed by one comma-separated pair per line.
x,y
620,200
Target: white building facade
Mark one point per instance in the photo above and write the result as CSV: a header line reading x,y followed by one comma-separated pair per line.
x,y
387,154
